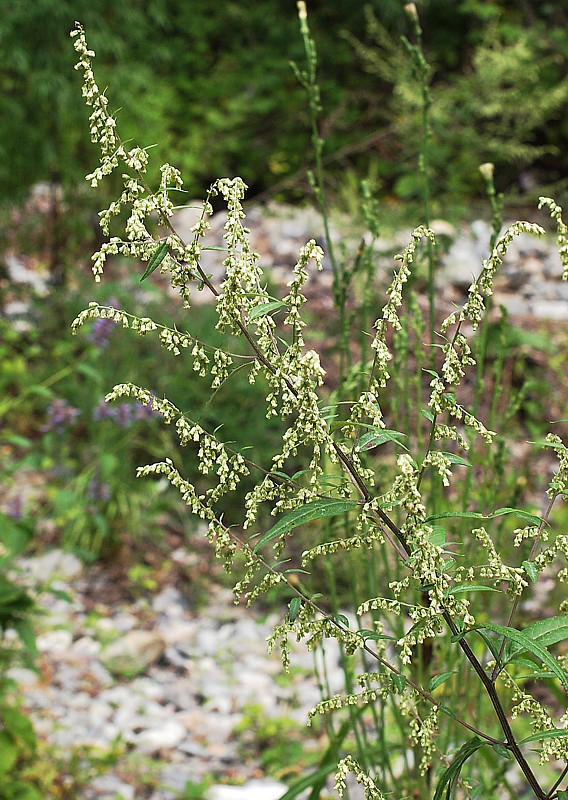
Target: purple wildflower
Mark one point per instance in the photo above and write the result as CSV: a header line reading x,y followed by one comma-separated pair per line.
x,y
123,415
144,411
102,327
103,411
98,492
15,507
59,415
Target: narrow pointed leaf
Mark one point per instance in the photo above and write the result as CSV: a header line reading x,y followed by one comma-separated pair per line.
x,y
536,737
453,459
502,751
447,783
438,680
378,437
526,642
262,309
295,605
471,587
500,512
156,259
319,509
543,632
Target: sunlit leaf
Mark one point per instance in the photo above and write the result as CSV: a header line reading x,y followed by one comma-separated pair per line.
x,y
438,680
527,642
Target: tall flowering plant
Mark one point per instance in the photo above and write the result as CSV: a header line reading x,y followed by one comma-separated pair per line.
x,y
433,602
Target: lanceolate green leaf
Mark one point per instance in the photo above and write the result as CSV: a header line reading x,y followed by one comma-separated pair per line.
x,y
528,643
295,605
319,509
544,632
447,783
378,437
532,570
156,259
471,587
262,309
453,459
536,737
500,512
438,680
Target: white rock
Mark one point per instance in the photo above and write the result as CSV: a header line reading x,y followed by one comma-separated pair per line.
x,y
442,227
169,601
108,786
133,653
19,273
184,219
253,790
53,563
179,631
168,734
551,309
58,641
86,647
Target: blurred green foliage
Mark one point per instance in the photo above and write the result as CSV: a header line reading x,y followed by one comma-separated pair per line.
x,y
52,389
209,83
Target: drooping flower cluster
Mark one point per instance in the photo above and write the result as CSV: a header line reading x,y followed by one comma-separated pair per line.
x,y
482,287
551,747
423,734
390,309
349,764
562,232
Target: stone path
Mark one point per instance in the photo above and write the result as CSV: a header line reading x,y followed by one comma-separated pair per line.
x,y
170,682
529,284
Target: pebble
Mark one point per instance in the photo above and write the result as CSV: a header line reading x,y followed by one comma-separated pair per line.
x,y
188,677
252,790
529,283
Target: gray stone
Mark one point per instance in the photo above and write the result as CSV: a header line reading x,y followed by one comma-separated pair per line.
x,y
133,653
184,219
169,602
19,273
109,787
56,641
163,736
53,564
550,309
443,229
252,790
461,264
